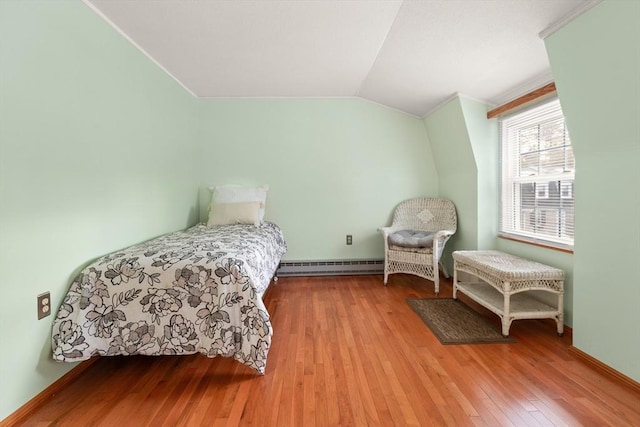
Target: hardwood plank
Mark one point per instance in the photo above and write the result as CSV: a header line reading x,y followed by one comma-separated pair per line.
x,y
350,351
34,404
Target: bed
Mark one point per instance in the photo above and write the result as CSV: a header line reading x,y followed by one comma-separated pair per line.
x,y
193,291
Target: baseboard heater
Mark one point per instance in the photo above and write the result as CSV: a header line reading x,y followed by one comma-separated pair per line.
x,y
331,267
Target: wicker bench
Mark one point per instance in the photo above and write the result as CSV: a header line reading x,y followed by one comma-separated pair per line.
x,y
504,279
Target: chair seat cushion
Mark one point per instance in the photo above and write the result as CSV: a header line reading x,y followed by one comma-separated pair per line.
x,y
412,239
423,251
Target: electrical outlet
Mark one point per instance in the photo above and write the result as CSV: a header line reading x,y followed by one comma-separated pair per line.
x,y
349,239
44,305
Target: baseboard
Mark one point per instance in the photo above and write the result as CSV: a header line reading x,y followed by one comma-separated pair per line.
x,y
23,412
595,363
347,267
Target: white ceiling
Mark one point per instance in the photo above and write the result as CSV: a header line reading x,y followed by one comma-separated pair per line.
x,y
410,55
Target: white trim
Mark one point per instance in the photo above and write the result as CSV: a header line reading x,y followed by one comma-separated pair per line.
x,y
136,45
527,238
267,97
440,105
397,110
524,88
471,98
451,98
568,18
302,98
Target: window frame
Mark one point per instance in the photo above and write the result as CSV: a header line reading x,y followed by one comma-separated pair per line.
x,y
565,189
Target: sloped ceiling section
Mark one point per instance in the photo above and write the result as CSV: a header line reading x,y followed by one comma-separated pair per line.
x,y
409,55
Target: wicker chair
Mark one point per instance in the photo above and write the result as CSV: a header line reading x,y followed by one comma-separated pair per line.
x,y
422,214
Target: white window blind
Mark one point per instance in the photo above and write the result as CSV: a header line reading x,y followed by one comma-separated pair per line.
x,y
538,171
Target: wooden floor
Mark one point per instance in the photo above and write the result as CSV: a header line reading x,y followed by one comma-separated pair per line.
x,y
350,351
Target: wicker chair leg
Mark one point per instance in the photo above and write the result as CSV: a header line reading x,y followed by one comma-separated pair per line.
x,y
444,270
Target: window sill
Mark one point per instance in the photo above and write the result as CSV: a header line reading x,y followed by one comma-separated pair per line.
x,y
536,242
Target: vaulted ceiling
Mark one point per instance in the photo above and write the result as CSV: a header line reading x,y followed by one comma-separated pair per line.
x,y
410,55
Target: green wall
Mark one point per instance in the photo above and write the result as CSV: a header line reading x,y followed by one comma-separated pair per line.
x,y
457,172
96,153
484,141
465,148
596,64
334,166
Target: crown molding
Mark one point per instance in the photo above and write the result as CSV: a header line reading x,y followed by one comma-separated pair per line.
x,y
302,98
136,45
524,88
472,98
451,98
397,110
568,18
441,104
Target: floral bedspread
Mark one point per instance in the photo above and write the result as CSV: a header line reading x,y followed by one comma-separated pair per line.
x,y
191,291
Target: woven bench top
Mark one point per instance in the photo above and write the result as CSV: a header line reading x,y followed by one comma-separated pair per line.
x,y
507,267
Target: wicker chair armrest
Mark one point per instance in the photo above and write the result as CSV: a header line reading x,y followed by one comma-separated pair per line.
x,y
387,231
443,234
439,240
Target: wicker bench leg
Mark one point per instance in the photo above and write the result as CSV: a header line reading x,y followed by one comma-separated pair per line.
x,y
455,283
506,318
560,324
560,316
506,325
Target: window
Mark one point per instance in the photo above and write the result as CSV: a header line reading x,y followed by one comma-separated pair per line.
x,y
537,176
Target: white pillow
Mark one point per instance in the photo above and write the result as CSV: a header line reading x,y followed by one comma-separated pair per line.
x,y
234,213
240,194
